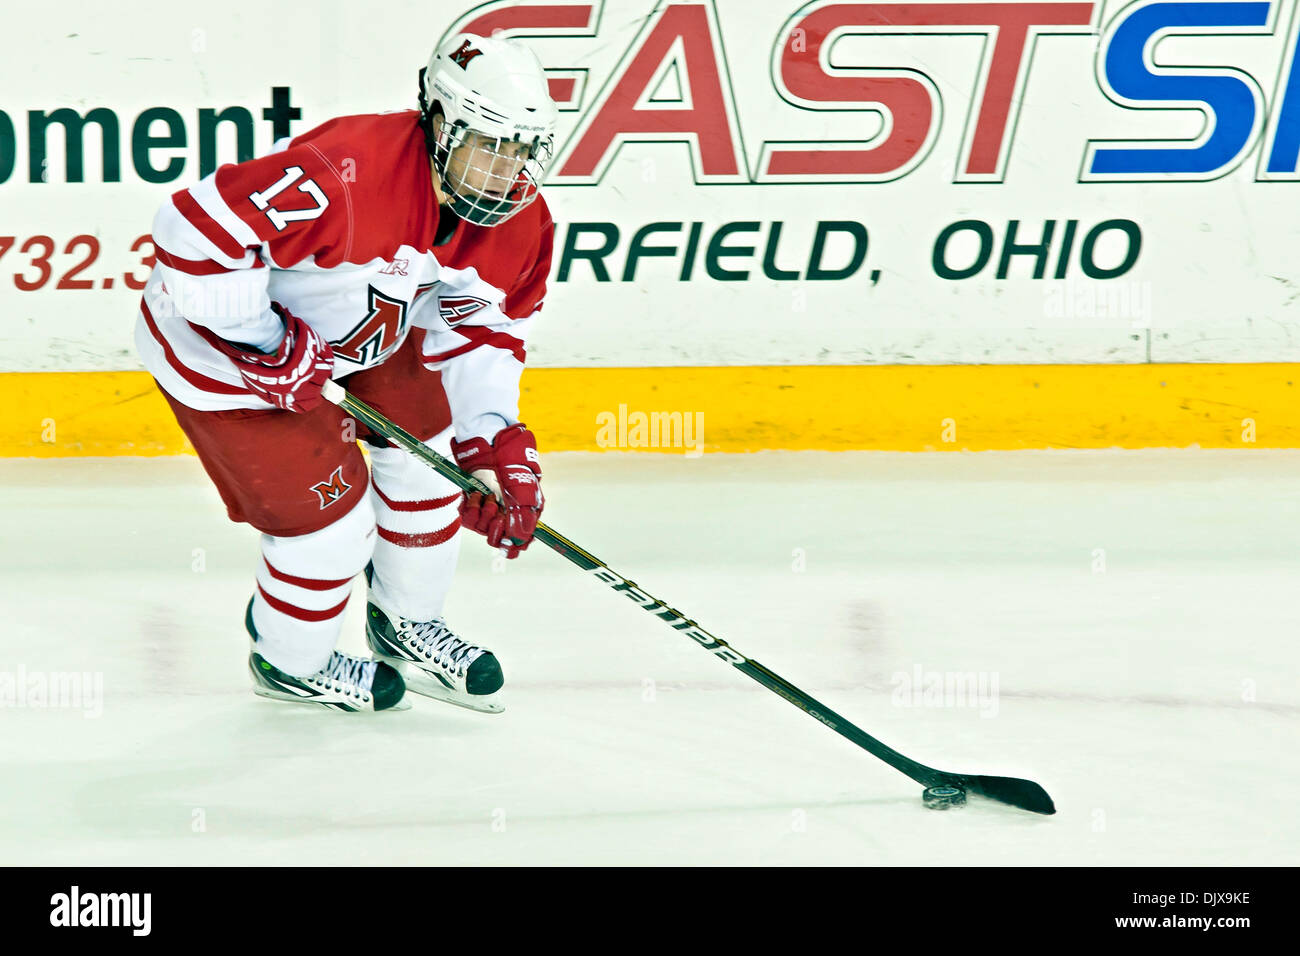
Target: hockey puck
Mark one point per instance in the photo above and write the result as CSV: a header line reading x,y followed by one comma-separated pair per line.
x,y
943,798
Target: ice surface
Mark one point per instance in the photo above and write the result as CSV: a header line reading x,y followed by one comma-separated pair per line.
x,y
1139,611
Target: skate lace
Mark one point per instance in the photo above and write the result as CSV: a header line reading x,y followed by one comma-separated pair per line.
x,y
349,675
438,643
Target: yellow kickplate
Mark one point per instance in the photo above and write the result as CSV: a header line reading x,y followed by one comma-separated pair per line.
x,y
700,410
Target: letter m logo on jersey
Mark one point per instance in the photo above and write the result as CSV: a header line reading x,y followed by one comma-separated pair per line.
x,y
332,490
463,54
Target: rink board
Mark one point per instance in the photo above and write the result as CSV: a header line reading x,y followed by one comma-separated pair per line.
x,y
943,183
737,409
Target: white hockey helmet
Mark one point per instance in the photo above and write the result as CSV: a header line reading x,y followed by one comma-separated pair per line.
x,y
494,101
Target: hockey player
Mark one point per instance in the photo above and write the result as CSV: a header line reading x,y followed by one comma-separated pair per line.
x,y
405,255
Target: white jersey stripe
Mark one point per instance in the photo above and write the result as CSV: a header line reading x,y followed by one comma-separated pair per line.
x,y
206,195
173,232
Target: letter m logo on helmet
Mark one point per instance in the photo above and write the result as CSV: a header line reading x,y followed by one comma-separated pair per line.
x,y
463,54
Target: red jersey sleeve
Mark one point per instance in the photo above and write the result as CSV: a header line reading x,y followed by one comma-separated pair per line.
x,y
210,237
528,294
295,201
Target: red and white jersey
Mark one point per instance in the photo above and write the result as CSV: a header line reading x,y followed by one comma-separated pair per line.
x,y
338,226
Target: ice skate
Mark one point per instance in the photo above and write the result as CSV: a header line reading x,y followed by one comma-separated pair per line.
x,y
434,661
346,682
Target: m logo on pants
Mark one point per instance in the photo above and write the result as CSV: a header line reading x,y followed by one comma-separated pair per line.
x,y
332,490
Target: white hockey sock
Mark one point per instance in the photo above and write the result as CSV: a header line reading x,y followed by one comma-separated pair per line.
x,y
418,532
302,590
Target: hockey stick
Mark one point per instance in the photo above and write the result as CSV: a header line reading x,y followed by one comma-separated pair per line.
x,y
1024,794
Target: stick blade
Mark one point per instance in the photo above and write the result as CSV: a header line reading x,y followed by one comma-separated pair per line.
x,y
1023,794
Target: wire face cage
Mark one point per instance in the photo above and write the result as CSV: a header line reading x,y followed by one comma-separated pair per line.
x,y
489,178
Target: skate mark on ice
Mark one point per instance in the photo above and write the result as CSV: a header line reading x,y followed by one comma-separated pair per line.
x,y
825,687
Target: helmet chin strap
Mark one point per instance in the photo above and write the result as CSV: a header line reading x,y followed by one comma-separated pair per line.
x,y
475,212
437,183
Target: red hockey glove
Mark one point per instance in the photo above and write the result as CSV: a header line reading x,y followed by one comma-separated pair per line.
x,y
510,467
290,377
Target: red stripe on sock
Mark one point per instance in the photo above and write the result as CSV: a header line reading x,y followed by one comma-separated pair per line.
x,y
427,540
427,505
311,584
301,613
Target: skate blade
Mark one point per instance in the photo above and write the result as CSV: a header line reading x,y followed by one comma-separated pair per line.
x,y
263,691
418,682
